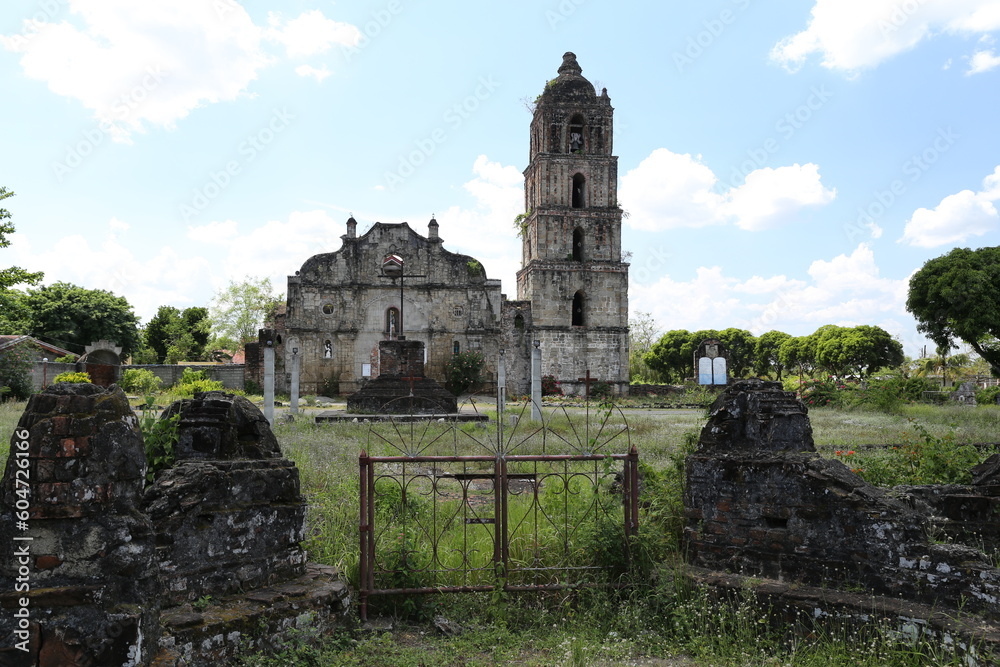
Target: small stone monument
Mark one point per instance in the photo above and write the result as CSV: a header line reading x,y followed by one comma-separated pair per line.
x,y
711,362
401,376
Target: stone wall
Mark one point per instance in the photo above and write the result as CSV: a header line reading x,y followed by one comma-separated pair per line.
x,y
230,375
760,502
99,567
79,559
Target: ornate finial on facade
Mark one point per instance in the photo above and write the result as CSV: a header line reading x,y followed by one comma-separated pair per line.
x,y
569,64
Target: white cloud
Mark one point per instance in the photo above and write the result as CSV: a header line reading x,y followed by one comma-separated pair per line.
x,y
669,190
275,249
147,279
310,33
136,64
772,197
957,218
852,35
317,73
486,231
982,61
847,290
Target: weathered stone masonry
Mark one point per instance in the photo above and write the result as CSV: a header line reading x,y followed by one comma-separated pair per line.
x,y
760,502
116,564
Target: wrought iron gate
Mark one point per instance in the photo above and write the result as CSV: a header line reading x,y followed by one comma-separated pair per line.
x,y
515,517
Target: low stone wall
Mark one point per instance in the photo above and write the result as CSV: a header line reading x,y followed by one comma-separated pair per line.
x,y
99,567
638,389
760,502
230,375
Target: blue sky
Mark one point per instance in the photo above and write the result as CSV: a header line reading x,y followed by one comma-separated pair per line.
x,y
784,165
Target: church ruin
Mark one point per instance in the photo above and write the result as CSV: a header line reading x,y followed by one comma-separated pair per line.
x,y
572,288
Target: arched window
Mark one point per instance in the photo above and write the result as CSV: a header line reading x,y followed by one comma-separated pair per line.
x,y
578,312
328,349
575,134
579,190
577,245
519,322
456,347
392,321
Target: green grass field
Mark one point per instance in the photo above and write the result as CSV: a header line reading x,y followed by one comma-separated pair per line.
x,y
658,622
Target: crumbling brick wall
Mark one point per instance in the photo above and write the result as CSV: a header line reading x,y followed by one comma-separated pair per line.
x,y
761,502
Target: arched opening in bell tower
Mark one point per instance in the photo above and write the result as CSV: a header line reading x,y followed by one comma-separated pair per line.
x,y
579,191
578,245
578,309
575,134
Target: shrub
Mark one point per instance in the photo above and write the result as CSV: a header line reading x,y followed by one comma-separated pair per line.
x,y
160,436
72,377
988,396
330,386
140,381
193,381
15,373
816,392
600,389
550,386
251,387
463,371
68,359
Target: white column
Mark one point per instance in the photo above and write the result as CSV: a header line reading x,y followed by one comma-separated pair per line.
x,y
295,381
536,382
269,382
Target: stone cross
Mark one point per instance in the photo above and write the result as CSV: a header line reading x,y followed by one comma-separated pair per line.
x,y
587,381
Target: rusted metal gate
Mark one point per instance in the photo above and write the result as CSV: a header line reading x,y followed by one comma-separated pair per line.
x,y
515,517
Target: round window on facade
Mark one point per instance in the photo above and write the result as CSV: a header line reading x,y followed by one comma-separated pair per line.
x,y
328,309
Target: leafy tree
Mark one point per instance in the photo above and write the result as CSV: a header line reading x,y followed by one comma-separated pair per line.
x,y
174,335
159,330
767,356
13,275
15,372
798,352
955,296
240,309
671,355
74,317
642,334
741,346
860,350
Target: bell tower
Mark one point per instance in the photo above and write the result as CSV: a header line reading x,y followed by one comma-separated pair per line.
x,y
571,265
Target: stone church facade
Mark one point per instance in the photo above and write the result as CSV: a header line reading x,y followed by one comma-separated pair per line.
x,y
572,288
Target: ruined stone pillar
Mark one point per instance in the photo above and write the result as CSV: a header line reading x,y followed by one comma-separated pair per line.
x,y
269,383
536,382
78,571
294,390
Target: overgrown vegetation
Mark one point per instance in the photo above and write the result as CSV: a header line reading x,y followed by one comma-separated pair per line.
x,y
139,381
75,376
463,371
193,381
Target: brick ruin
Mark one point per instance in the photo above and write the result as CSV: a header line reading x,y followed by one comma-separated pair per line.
x,y
193,568
765,511
401,386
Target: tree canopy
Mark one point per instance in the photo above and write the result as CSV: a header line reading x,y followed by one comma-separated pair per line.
x,y
955,296
13,275
239,310
174,335
73,317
